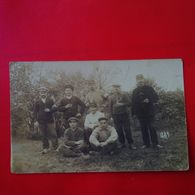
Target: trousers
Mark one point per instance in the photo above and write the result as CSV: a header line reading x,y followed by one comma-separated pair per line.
x,y
48,132
148,131
73,151
122,125
105,149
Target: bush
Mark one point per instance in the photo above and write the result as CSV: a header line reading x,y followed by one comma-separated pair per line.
x,y
170,108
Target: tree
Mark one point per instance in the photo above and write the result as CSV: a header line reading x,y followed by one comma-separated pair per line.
x,y
21,96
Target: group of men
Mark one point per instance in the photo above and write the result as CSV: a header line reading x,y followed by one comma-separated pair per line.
x,y
97,134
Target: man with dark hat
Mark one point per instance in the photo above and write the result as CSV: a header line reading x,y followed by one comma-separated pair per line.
x,y
91,120
104,137
119,108
70,105
73,143
43,116
143,99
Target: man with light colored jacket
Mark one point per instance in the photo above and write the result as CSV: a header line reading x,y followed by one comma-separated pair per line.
x,y
104,137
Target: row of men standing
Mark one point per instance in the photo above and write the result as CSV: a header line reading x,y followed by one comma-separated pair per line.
x,y
142,105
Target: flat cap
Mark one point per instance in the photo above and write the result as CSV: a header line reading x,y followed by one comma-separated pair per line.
x,y
73,119
43,88
102,118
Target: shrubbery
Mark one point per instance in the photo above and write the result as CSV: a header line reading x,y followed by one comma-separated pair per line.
x,y
170,108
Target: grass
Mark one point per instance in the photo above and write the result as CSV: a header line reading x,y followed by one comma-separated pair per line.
x,y
26,157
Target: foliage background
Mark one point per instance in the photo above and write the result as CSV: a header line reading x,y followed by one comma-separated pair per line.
x,y
24,84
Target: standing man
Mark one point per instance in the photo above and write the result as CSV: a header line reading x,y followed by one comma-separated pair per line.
x,y
43,117
119,103
70,105
96,96
143,99
104,137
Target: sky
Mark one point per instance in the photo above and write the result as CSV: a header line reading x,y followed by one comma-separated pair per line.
x,y
167,73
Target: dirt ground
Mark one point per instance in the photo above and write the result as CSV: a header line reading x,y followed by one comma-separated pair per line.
x,y
26,157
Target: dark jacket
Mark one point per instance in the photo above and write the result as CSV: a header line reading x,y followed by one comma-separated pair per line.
x,y
40,115
77,107
119,98
139,108
70,136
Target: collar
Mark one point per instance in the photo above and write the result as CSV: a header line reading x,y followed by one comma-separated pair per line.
x,y
74,129
68,97
94,113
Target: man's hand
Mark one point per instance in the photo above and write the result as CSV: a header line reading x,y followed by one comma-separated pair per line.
x,y
79,142
97,144
46,110
78,115
68,106
102,144
120,104
146,100
87,104
54,106
36,124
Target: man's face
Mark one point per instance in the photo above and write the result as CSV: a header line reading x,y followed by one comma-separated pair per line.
x,y
43,94
73,124
103,123
140,82
116,89
68,92
93,109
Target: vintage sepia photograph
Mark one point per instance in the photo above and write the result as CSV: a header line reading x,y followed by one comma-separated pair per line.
x,y
98,116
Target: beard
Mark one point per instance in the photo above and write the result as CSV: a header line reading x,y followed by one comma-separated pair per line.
x,y
43,96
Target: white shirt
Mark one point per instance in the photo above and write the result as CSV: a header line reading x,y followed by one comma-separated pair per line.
x,y
43,100
108,135
91,120
68,97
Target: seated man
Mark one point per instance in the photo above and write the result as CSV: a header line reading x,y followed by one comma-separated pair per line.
x,y
73,144
104,137
91,120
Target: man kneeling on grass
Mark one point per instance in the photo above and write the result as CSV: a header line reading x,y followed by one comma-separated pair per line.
x,y
104,137
73,143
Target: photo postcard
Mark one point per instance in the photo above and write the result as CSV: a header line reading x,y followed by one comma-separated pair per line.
x,y
98,116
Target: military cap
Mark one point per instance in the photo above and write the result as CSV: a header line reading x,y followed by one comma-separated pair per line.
x,y
69,86
139,76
